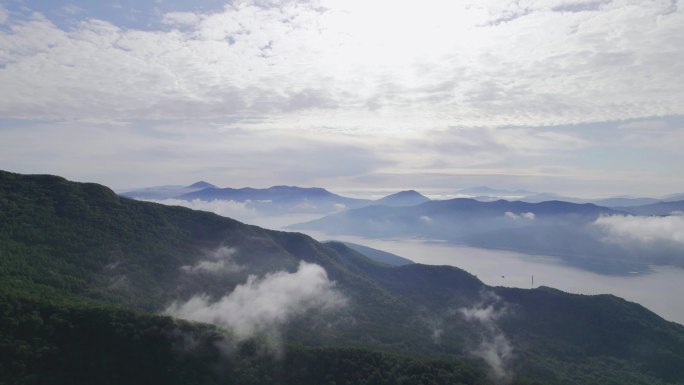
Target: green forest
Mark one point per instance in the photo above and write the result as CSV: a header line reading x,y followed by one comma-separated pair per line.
x,y
85,276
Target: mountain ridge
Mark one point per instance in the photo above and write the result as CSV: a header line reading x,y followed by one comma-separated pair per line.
x,y
63,239
557,228
658,208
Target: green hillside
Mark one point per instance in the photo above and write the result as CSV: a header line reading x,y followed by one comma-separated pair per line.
x,y
72,344
78,254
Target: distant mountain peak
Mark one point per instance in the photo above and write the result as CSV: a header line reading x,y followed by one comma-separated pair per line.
x,y
295,188
407,192
403,198
202,184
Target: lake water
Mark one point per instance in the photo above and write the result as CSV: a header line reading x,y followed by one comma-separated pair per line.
x,y
661,291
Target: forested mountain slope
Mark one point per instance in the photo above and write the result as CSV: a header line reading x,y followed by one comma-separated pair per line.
x,y
67,246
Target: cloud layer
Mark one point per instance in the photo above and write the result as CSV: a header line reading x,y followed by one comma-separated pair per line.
x,y
645,230
285,92
262,305
304,64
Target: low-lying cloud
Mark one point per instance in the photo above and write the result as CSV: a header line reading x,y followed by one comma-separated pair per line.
x,y
218,261
225,208
242,211
648,230
494,347
527,216
425,218
263,305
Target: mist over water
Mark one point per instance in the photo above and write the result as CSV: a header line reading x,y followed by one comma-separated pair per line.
x,y
659,290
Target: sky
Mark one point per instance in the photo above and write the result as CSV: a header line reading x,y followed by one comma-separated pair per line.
x,y
577,97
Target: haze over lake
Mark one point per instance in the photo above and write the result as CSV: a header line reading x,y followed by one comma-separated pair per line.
x,y
491,191
660,290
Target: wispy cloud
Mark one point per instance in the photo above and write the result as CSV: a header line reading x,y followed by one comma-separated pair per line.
x,y
494,347
225,208
218,261
528,216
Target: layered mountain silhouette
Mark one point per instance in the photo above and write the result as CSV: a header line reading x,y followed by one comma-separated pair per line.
x,y
276,199
488,194
563,229
660,208
166,192
83,271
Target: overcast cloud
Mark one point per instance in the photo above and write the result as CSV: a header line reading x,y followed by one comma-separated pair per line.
x,y
383,65
531,89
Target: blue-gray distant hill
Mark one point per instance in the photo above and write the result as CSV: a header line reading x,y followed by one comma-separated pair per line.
x,y
660,208
488,194
280,198
463,213
562,229
674,197
379,255
275,200
165,192
272,200
618,203
201,184
403,198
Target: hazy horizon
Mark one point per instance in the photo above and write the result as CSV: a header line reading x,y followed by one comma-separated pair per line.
x,y
563,120
432,193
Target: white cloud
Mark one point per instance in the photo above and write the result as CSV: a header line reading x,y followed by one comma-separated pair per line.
x,y
242,212
340,206
494,347
225,208
181,18
425,218
650,229
327,64
218,261
484,314
307,92
530,216
262,305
